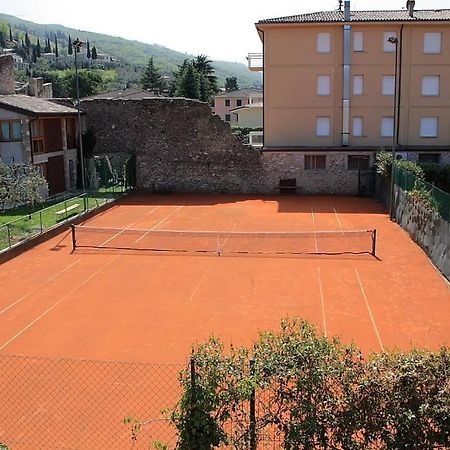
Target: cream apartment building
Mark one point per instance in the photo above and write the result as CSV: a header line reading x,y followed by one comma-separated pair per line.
x,y
330,85
229,104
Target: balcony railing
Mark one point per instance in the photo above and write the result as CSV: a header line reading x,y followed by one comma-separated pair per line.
x,y
255,62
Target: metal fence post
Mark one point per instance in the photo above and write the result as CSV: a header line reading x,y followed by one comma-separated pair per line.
x,y
65,207
40,221
252,410
9,235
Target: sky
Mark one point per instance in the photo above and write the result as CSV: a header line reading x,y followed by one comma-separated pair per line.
x,y
223,30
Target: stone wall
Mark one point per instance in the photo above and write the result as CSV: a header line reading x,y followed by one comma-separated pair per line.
x,y
180,146
7,80
427,229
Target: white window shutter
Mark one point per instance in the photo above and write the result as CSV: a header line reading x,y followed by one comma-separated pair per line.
x,y
430,85
387,126
324,85
323,42
358,85
357,126
358,41
387,46
428,127
323,126
388,85
432,42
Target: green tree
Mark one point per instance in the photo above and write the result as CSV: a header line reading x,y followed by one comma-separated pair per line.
x,y
90,83
2,40
88,50
56,47
27,40
38,49
69,46
231,84
10,35
204,67
188,83
151,79
94,53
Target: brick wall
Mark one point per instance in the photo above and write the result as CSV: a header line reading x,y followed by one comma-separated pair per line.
x,y
181,146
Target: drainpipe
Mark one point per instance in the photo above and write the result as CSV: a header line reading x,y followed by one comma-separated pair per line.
x,y
346,77
31,138
399,89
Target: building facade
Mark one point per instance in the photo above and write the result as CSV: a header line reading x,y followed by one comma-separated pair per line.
x,y
357,81
227,104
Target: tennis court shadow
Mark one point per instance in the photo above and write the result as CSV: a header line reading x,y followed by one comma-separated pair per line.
x,y
286,203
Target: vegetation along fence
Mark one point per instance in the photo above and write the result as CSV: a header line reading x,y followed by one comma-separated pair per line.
x,y
431,196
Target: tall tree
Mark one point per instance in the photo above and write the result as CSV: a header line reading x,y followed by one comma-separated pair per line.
x,y
189,82
94,52
151,79
2,39
56,47
204,67
10,35
69,47
88,50
27,40
231,84
38,49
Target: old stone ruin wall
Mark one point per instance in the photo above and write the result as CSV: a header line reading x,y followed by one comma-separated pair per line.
x,y
180,146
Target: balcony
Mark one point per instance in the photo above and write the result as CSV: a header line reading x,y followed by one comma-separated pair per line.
x,y
255,62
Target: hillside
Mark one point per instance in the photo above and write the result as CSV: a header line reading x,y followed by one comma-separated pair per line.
x,y
129,52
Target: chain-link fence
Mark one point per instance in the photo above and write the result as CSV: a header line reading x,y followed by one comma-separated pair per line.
x,y
79,404
433,196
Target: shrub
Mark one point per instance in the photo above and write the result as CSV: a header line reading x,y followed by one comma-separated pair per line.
x,y
437,174
383,164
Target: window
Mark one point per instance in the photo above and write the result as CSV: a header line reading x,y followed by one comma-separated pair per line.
x,y
388,47
358,84
430,85
357,126
358,41
323,42
315,162
323,126
239,102
387,126
227,102
227,117
429,158
432,43
11,130
388,85
358,162
428,127
324,85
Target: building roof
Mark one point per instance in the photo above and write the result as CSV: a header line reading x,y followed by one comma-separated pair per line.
x,y
249,107
434,15
33,106
241,93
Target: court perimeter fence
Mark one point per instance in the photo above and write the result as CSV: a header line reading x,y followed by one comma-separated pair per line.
x,y
84,404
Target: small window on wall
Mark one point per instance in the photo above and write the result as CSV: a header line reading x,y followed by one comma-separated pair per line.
x,y
358,162
430,85
430,158
239,102
323,42
358,41
357,126
227,102
10,131
315,162
358,84
323,126
389,47
227,117
387,126
428,127
432,43
388,85
324,85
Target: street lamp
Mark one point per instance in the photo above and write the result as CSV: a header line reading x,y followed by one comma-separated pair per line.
x,y
77,44
394,40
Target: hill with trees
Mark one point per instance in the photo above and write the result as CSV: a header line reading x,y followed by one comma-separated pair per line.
x,y
131,56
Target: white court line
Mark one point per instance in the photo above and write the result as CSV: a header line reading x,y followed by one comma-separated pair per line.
x,y
363,292
39,287
159,223
370,310
322,302
314,228
70,293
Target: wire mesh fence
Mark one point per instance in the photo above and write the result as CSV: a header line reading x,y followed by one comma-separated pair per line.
x,y
435,198
80,404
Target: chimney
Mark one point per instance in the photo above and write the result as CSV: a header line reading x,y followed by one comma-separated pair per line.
x,y
410,7
7,81
347,11
35,87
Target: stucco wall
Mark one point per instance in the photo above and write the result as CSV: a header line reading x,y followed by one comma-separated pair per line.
x,y
427,228
181,146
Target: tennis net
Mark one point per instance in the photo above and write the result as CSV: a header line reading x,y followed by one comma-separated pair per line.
x,y
226,242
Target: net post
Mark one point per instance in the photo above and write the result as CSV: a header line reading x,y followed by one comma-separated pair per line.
x,y
374,242
74,240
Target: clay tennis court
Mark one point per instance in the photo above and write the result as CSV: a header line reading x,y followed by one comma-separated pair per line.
x,y
150,307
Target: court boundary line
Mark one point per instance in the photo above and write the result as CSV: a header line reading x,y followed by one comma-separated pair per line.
x,y
39,287
35,320
363,292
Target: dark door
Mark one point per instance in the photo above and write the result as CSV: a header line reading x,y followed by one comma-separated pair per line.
x,y
55,175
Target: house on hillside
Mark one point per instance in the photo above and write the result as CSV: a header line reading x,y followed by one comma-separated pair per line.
x,y
330,86
227,104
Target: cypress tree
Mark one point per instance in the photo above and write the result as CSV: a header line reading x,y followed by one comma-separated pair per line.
x,y
38,49
2,39
27,40
88,50
94,52
69,47
10,35
56,47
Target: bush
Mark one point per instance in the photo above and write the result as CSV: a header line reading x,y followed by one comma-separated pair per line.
x,y
383,164
437,174
314,392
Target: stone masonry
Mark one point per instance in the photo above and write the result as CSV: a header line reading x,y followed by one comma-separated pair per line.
x,y
7,81
180,146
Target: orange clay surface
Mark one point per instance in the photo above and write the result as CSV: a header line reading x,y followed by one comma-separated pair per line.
x,y
147,307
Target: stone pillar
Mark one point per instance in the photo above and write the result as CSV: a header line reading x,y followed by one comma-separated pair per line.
x,y
7,81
